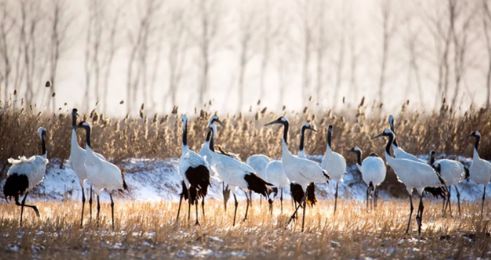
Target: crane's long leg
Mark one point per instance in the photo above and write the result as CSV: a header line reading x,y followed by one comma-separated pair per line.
x,y
203,207
304,210
23,204
419,218
281,200
250,198
368,196
449,202
375,198
189,208
83,205
411,208
179,208
90,203
294,215
247,204
98,210
112,210
458,197
336,197
483,198
236,204
197,211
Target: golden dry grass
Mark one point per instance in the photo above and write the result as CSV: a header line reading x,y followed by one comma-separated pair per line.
x,y
148,230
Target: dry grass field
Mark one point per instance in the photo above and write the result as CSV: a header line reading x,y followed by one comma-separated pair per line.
x,y
148,230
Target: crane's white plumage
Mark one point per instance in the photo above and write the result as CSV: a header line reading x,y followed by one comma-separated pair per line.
x,y
259,163
33,167
372,168
26,173
333,162
451,171
276,175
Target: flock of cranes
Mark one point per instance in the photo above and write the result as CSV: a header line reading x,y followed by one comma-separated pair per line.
x,y
259,174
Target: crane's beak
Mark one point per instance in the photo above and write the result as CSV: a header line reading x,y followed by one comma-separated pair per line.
x,y
313,129
219,122
377,136
273,122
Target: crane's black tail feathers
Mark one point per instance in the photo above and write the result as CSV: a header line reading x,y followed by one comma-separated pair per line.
x,y
15,185
437,192
258,185
311,199
467,174
199,179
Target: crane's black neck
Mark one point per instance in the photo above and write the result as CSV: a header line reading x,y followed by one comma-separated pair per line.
x,y
389,143
302,137
358,156
43,143
209,139
285,132
392,128
476,144
74,121
432,158
185,133
87,136
329,137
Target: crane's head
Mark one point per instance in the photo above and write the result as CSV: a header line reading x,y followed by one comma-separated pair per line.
x,y
281,120
386,133
308,126
391,122
355,149
437,166
41,132
214,119
74,112
476,135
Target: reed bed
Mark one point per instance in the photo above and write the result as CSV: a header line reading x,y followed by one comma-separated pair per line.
x,y
158,136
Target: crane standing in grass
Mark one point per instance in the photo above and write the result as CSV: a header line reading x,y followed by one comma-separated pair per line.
x,y
25,174
196,175
480,169
334,163
372,171
300,171
102,174
413,174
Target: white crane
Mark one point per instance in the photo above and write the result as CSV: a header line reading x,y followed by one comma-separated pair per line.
x,y
205,152
275,174
102,175
76,162
413,174
480,169
196,175
373,172
237,174
334,163
453,173
300,171
25,174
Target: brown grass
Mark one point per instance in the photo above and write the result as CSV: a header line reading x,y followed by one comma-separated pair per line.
x,y
158,136
147,230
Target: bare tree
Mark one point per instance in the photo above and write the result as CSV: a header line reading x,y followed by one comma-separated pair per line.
x,y
7,23
388,30
209,14
246,30
59,26
486,20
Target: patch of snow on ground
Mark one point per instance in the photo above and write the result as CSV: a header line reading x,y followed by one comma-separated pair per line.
x,y
155,180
